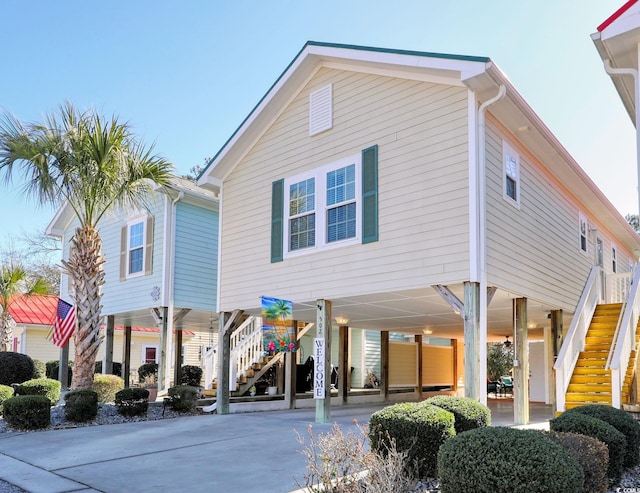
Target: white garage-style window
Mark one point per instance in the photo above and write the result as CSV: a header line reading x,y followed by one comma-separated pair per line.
x,y
322,209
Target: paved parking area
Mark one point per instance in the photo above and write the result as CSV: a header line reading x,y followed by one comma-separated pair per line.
x,y
249,453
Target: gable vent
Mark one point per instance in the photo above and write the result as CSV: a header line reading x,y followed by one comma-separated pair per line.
x,y
320,110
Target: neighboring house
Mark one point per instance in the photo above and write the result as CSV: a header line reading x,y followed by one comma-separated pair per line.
x,y
34,317
416,194
160,270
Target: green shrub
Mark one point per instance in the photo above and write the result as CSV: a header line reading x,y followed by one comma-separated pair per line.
x,y
116,368
417,429
53,367
40,369
27,412
622,422
587,425
15,368
41,386
183,397
147,370
106,386
5,393
591,454
81,405
132,401
506,460
469,414
191,375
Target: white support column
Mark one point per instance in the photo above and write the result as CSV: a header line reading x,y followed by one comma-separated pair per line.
x,y
471,340
322,362
521,364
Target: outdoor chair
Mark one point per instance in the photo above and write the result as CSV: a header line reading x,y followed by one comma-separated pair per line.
x,y
507,384
494,387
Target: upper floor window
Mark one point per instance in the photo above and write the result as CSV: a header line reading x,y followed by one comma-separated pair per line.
x,y
511,173
136,248
614,259
323,209
584,229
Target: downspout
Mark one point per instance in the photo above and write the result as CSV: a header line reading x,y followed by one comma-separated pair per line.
x,y
482,240
634,73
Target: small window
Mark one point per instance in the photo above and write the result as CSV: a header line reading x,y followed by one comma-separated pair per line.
x,y
136,248
584,228
511,172
614,260
150,354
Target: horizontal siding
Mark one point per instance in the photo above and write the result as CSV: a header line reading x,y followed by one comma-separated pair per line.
x,y
372,352
196,257
534,250
421,131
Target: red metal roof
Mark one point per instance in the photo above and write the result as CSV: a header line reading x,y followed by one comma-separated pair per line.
x,y
39,309
615,15
33,310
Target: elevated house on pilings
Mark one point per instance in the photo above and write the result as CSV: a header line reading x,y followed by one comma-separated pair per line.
x,y
418,197
160,273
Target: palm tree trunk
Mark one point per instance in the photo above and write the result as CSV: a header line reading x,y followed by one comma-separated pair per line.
x,y
86,274
6,330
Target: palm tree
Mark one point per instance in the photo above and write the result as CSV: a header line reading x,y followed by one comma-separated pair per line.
x,y
14,281
93,165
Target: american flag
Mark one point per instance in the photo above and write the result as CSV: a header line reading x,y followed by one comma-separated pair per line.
x,y
64,324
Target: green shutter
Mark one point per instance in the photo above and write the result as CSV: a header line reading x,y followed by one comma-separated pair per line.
x,y
370,194
277,220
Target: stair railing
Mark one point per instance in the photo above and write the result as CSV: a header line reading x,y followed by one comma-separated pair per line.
x,y
246,349
624,339
574,341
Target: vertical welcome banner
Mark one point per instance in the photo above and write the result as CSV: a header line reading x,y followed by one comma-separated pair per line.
x,y
278,333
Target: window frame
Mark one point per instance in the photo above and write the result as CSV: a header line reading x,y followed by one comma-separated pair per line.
x,y
321,209
614,258
582,220
509,151
144,352
131,223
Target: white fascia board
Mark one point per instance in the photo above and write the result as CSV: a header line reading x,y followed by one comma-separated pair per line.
x,y
60,221
629,21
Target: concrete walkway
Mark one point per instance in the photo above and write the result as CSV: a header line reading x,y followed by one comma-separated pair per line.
x,y
248,453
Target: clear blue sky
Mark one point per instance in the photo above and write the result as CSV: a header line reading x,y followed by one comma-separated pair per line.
x,y
185,74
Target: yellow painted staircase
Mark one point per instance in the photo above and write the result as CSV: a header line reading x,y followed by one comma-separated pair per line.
x,y
591,382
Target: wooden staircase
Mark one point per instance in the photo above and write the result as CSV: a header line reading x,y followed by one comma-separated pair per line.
x,y
591,382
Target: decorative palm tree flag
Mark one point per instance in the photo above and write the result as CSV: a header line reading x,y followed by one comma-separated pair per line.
x,y
277,325
64,323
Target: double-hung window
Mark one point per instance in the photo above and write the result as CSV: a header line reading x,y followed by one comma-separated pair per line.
x,y
136,248
584,229
323,207
511,174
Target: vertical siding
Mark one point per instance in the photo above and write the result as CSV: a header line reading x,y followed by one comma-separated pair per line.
x,y
535,250
421,131
196,257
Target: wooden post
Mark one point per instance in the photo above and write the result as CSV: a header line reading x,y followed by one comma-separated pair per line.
x,y
224,358
164,346
521,364
418,339
107,366
344,367
290,368
384,364
177,366
472,340
126,351
322,373
454,345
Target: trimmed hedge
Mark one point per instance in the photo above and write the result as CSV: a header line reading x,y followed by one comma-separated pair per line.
x,y
5,393
469,414
27,412
81,405
182,397
116,368
506,460
147,370
52,370
15,368
132,401
191,375
586,425
106,387
40,369
417,429
622,422
41,386
591,454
